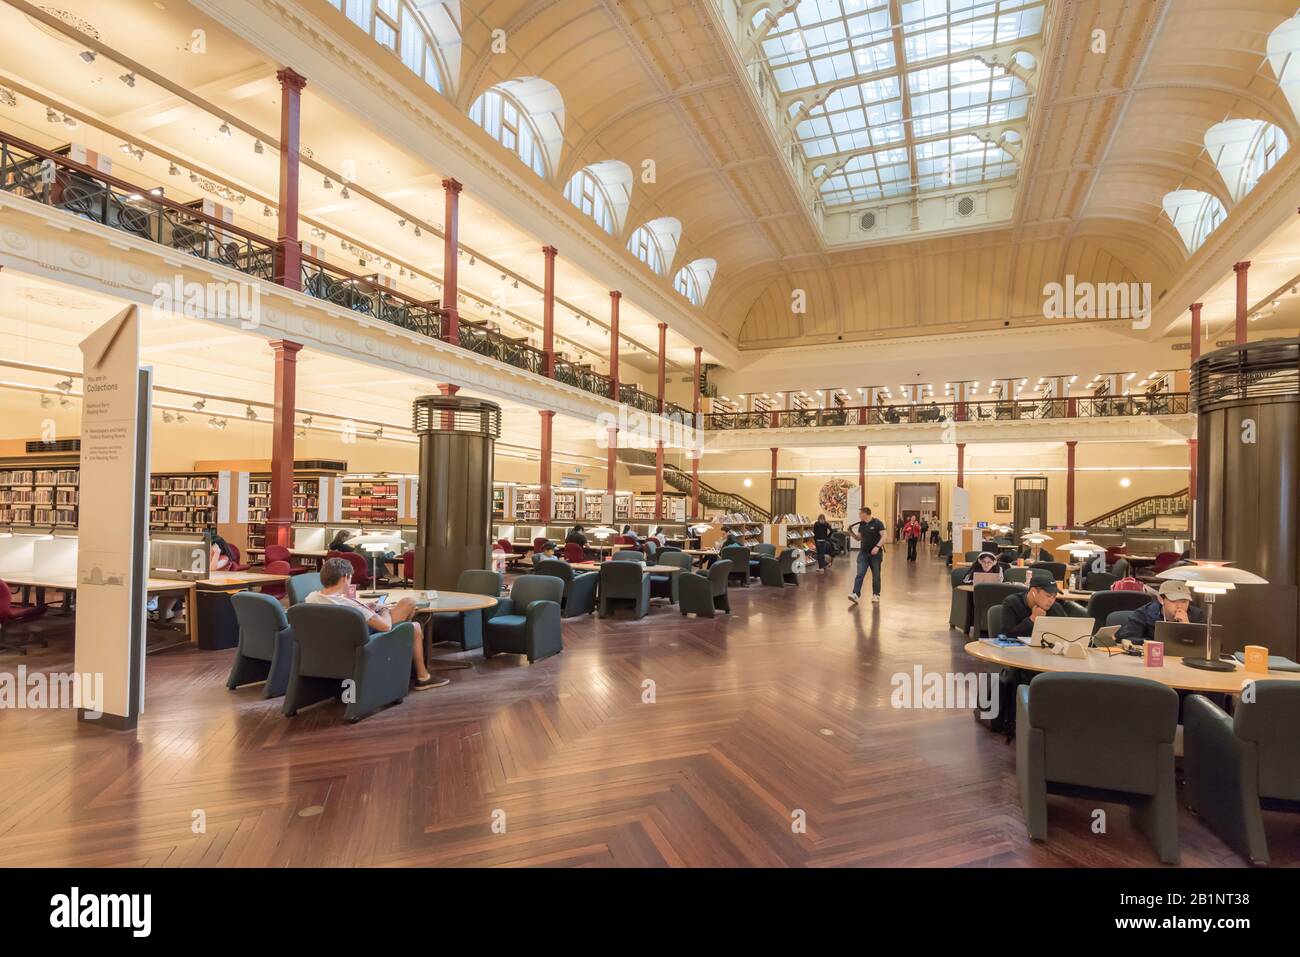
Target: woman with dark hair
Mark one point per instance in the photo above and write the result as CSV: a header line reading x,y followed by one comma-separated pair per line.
x,y
340,542
986,563
822,541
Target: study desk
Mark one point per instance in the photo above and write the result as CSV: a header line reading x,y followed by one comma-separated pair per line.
x,y
68,584
1173,673
1063,594
238,581
447,602
647,569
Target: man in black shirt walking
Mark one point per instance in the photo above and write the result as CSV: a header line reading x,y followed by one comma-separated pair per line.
x,y
869,532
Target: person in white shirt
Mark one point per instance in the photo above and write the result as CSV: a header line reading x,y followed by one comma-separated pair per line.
x,y
336,577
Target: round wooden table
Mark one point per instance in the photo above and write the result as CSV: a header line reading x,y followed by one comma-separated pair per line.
x,y
447,602
1173,673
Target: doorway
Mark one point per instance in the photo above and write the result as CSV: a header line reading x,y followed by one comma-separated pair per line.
x,y
919,500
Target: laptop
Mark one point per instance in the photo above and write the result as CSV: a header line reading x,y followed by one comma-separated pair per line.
x,y
1062,629
1187,639
987,578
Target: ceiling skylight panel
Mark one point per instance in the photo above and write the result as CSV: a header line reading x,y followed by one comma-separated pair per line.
x,y
1023,23
794,78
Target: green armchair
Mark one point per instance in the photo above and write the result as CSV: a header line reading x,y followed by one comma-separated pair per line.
x,y
704,594
528,622
779,571
579,587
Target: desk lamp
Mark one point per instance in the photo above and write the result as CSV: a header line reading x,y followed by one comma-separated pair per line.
x,y
1211,579
1082,549
603,532
375,543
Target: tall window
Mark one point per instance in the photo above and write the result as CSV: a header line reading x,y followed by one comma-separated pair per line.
x,y
687,285
421,34
506,123
645,247
655,243
694,279
1195,215
602,191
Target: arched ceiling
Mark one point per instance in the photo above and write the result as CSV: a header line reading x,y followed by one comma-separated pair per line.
x,y
1112,133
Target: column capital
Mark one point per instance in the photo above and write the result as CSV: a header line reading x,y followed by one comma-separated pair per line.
x,y
699,351
550,252
663,326
615,294
546,413
286,348
290,79
452,185
1196,307
1241,266
446,388
1071,443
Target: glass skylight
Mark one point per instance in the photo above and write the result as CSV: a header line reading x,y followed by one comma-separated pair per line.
x,y
881,107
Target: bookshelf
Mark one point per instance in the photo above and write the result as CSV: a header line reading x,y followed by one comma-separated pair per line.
x,y
182,502
40,497
564,505
370,501
528,504
306,500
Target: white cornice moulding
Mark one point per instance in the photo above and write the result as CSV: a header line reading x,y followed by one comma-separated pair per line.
x,y
432,126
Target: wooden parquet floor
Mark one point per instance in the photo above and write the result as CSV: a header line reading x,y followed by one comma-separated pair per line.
x,y
782,708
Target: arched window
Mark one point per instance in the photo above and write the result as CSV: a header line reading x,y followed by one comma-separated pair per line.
x,y
655,243
526,116
425,34
1195,215
602,191
1243,151
694,279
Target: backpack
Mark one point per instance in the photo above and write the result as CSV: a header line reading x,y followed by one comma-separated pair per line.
x,y
1127,584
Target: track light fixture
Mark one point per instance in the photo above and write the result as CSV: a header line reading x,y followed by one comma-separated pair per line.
x,y
200,405
417,232
128,79
401,223
345,194
250,413
167,417
258,148
327,184
64,385
266,211
173,169
473,261
224,129
50,115
88,56
45,401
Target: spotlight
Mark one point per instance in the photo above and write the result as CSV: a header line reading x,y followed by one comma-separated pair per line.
x,y
306,422
45,401
218,424
50,115
345,194
173,169
128,79
199,406
250,414
401,223
515,284
417,231
69,122
379,433
473,261
64,402
64,386
327,184
88,56
258,148
180,419
224,129
266,211
167,417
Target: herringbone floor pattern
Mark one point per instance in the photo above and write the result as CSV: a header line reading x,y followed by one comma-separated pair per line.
x,y
781,708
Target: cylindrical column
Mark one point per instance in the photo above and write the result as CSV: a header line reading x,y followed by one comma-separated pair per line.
x,y
279,518
1191,485
614,298
862,470
548,419
659,480
699,352
1243,303
961,464
611,464
1069,484
548,311
457,440
663,363
1248,487
1196,331
288,250
451,259
695,488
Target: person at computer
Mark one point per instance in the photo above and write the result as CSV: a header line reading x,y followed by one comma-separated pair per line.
x,y
986,563
576,536
1172,603
1035,552
1021,610
546,551
336,582
340,542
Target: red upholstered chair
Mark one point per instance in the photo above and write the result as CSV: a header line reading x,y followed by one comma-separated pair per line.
x,y
360,567
278,553
538,543
408,566
573,552
11,614
506,546
1165,561
236,559
1127,584
276,568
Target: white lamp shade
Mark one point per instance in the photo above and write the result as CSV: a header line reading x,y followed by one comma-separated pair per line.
x,y
1210,574
603,531
1035,539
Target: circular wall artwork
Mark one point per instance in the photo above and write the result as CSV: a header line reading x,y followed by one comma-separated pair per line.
x,y
834,498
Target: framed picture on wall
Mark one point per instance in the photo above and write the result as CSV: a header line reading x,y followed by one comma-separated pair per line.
x,y
1001,503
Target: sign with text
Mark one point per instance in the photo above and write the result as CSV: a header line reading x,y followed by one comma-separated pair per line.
x,y
113,546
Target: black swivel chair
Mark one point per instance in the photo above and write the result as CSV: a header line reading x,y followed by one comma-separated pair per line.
x,y
986,596
332,644
705,593
579,587
959,613
466,629
756,555
528,622
624,584
1056,568
1234,764
738,555
1057,743
265,644
1098,581
779,571
629,555
666,586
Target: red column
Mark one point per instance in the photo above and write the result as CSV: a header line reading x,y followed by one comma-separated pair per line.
x,y
279,519
1243,306
451,259
614,298
961,464
548,312
1191,486
446,388
288,250
1069,483
548,417
611,463
659,481
663,363
862,471
1196,331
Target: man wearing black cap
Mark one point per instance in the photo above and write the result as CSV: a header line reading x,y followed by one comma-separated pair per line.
x,y
1021,610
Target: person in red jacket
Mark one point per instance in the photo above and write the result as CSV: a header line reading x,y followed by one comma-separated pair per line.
x,y
912,532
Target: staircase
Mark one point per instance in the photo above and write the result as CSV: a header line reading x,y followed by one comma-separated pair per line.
x,y
1144,509
710,497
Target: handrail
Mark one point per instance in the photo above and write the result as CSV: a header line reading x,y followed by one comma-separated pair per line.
x,y
361,294
1136,503
1176,403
